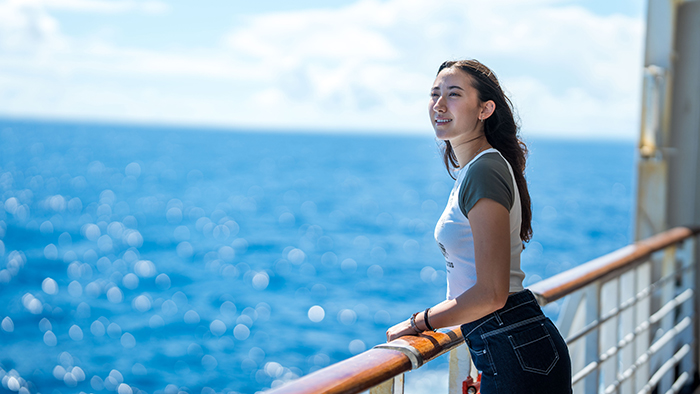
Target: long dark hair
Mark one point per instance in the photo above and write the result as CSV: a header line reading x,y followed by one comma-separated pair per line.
x,y
501,130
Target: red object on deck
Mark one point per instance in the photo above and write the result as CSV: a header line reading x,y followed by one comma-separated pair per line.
x,y
469,386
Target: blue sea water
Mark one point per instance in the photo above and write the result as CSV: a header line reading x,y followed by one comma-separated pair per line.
x,y
163,260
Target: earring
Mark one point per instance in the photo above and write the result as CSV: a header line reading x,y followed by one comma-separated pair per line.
x,y
482,120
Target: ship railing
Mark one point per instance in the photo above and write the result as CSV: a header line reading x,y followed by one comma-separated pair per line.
x,y
628,319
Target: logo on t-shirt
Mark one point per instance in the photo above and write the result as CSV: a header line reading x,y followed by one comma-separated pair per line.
x,y
442,249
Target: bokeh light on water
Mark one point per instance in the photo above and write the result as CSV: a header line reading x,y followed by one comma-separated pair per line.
x,y
160,261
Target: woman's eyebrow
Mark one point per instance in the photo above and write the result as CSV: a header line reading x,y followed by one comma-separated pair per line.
x,y
449,87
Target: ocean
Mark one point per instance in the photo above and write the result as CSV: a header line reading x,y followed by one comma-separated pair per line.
x,y
165,260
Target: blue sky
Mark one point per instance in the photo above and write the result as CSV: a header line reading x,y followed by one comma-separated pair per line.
x,y
573,68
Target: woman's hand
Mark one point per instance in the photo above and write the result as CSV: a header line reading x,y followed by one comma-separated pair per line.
x,y
399,330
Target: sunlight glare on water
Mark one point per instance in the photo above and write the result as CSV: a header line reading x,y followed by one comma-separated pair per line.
x,y
316,313
97,328
49,286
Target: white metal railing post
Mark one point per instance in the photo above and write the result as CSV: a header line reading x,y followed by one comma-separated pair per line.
x,y
668,322
593,349
461,367
642,310
693,257
608,337
657,301
572,319
628,290
391,386
685,263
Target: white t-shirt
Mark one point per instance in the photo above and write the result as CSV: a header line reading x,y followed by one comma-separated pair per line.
x,y
487,179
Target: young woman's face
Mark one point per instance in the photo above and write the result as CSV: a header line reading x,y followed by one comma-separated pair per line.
x,y
455,108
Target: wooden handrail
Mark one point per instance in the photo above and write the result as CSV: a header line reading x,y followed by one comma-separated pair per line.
x,y
565,283
381,363
374,366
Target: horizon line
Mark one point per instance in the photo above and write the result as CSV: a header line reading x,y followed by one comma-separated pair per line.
x,y
226,128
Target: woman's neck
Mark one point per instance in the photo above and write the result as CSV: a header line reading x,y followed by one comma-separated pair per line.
x,y
467,150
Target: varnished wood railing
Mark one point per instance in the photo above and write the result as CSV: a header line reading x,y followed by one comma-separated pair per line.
x,y
565,283
376,365
386,361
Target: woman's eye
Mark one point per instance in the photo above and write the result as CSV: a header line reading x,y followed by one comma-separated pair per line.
x,y
454,94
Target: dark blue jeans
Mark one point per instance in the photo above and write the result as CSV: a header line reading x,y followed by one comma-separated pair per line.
x,y
519,350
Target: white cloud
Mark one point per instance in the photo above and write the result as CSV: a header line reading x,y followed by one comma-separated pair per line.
x,y
364,66
101,6
26,27
575,72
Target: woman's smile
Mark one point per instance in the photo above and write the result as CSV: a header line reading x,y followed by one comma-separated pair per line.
x,y
442,121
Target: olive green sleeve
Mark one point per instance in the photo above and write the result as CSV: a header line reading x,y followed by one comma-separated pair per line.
x,y
488,177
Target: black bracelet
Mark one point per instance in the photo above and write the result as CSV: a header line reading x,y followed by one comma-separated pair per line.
x,y
425,319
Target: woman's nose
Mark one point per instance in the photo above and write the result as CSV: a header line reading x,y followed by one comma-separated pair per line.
x,y
439,105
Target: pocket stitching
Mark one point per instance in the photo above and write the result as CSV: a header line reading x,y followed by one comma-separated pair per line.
x,y
525,344
478,352
488,354
531,369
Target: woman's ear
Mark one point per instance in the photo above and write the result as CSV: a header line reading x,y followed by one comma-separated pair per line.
x,y
487,109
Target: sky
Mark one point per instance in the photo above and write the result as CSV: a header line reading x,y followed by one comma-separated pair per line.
x,y
573,68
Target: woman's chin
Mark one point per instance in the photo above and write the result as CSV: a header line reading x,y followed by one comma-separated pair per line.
x,y
441,135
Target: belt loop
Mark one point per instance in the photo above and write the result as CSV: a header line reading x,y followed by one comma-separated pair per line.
x,y
498,318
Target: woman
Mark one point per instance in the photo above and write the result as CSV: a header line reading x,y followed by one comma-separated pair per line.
x,y
481,234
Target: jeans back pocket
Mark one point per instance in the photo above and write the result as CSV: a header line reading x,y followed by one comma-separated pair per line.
x,y
535,349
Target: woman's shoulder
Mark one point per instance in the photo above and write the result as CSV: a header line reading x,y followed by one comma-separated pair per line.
x,y
489,161
488,176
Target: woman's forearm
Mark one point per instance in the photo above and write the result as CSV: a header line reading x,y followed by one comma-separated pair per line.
x,y
469,306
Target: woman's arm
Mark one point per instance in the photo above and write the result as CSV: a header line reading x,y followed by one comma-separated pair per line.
x,y
490,223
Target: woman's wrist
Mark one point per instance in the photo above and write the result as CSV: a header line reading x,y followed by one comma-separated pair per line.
x,y
420,322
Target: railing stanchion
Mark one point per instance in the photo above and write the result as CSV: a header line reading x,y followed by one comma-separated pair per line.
x,y
460,368
667,294
693,257
685,261
578,317
593,349
643,312
391,386
607,331
628,291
